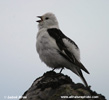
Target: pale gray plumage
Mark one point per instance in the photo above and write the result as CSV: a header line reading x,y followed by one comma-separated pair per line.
x,y
55,49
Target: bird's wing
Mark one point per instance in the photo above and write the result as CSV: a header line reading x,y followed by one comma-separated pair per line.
x,y
64,44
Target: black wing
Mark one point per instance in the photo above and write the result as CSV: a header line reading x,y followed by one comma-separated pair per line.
x,y
59,36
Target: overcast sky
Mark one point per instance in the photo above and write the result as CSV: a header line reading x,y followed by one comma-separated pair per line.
x,y
84,21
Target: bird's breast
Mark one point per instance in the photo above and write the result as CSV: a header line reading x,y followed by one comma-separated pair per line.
x,y
45,42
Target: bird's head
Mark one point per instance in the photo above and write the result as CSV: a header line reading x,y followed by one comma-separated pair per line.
x,y
47,20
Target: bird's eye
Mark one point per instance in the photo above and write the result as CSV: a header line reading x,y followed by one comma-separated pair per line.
x,y
46,18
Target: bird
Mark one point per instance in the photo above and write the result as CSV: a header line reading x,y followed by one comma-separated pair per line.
x,y
57,50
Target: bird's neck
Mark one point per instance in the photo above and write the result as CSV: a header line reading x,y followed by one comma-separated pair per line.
x,y
53,26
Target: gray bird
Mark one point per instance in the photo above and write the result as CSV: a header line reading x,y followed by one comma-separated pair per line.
x,y
55,49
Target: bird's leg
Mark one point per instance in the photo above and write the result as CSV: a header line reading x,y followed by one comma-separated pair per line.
x,y
53,68
61,69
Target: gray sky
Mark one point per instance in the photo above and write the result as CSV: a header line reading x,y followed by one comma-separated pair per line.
x,y
84,21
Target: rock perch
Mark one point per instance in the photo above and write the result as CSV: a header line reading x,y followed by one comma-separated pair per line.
x,y
56,86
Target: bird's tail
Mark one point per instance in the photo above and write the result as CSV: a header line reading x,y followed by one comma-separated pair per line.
x,y
82,78
78,72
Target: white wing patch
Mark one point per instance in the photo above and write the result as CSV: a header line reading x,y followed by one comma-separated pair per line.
x,y
72,48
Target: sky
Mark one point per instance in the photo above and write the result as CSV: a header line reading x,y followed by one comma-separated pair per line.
x,y
84,21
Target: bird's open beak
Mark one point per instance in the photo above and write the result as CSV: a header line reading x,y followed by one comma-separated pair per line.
x,y
41,19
